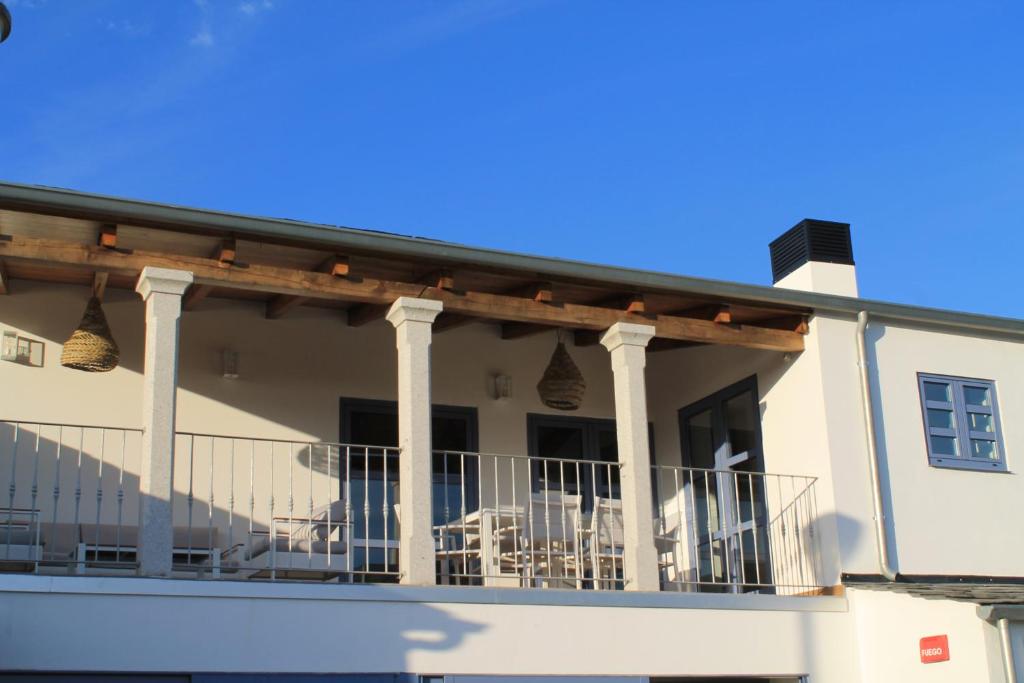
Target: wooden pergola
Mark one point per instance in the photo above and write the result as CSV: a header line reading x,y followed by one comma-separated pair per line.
x,y
100,249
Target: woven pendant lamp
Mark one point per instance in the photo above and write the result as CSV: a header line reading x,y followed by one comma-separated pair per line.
x,y
562,385
91,347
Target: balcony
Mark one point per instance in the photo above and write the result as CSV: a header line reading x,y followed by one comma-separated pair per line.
x,y
258,509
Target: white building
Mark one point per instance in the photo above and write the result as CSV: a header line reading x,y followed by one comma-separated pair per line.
x,y
323,452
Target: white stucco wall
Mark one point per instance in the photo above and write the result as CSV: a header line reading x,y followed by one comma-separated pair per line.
x,y
949,521
889,629
154,625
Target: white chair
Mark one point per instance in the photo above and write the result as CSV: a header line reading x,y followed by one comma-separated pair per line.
x,y
548,547
604,542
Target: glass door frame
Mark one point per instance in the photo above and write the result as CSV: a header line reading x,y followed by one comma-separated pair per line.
x,y
732,526
469,414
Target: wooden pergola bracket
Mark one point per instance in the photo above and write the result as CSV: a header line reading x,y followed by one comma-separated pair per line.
x,y
335,265
294,282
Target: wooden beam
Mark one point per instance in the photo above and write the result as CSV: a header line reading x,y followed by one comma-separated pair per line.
x,y
279,280
281,304
196,293
335,265
719,313
797,323
224,255
538,291
363,314
631,303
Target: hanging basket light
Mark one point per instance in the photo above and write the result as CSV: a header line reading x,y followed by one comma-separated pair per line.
x,y
562,385
91,347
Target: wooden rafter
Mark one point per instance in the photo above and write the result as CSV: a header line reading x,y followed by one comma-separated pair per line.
x,y
224,256
290,281
107,238
541,292
335,265
797,323
719,313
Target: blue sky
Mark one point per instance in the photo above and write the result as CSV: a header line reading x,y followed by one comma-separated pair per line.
x,y
674,136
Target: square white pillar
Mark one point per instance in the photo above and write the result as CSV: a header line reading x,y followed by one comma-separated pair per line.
x,y
412,319
627,343
161,289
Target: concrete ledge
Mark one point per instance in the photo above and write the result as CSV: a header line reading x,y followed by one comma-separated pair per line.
x,y
226,589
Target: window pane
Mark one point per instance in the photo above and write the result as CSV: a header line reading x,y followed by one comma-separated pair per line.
x,y
741,421
985,450
933,391
980,422
942,419
944,445
977,396
702,443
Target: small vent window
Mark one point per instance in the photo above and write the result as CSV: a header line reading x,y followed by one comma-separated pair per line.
x,y
811,240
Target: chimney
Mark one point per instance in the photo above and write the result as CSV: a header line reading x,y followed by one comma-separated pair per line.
x,y
815,256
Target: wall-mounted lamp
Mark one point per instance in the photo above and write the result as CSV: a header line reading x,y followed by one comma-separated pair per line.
x,y
502,387
229,364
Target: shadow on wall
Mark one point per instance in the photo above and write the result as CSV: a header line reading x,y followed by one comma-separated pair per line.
x,y
78,482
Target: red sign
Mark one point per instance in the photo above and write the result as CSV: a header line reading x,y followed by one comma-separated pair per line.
x,y
934,649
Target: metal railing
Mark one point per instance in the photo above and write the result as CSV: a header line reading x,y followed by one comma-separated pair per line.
x,y
300,510
273,509
69,497
507,520
731,531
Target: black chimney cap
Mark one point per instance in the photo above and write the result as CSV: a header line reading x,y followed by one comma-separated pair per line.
x,y
810,240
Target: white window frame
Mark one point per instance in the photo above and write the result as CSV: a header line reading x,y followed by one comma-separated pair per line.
x,y
960,430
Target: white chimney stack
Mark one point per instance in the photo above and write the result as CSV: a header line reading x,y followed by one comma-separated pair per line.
x,y
815,256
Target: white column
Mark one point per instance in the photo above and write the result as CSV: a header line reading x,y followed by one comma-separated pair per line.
x,y
627,343
412,319
161,289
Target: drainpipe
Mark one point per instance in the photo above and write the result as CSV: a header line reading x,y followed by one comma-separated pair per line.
x,y
1006,645
869,429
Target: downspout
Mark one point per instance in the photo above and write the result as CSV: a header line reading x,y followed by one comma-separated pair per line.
x,y
882,538
1006,645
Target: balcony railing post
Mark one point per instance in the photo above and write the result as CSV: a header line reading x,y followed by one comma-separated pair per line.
x,y
627,343
161,289
412,319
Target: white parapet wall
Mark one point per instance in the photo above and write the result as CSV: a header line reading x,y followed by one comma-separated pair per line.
x,y
159,625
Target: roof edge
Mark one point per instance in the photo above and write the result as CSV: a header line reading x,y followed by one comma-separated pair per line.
x,y
28,197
